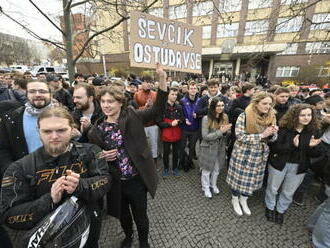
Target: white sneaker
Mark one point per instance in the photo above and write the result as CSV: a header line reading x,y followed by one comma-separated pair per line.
x,y
245,207
216,190
208,194
236,206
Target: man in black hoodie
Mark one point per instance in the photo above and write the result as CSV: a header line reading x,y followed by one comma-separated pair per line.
x,y
282,95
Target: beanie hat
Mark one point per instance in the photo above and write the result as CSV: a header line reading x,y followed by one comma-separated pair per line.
x,y
98,81
313,100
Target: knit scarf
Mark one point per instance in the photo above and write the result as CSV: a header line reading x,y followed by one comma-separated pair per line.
x,y
31,110
256,123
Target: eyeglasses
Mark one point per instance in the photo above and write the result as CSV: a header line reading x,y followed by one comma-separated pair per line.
x,y
42,92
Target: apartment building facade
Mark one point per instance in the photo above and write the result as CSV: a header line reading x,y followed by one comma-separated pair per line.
x,y
275,38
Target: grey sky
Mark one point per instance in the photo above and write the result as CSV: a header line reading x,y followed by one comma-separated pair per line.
x,y
27,14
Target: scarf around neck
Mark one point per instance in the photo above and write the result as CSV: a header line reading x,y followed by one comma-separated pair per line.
x,y
31,110
256,123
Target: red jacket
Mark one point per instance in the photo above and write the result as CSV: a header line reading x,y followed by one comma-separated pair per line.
x,y
170,133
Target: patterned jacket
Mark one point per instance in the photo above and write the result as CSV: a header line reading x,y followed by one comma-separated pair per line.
x,y
248,160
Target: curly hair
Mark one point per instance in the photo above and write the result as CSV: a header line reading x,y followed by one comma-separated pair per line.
x,y
291,118
213,121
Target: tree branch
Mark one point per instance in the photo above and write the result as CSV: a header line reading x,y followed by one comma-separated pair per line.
x,y
68,5
41,12
79,3
107,29
33,34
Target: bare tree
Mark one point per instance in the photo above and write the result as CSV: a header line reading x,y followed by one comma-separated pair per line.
x,y
90,27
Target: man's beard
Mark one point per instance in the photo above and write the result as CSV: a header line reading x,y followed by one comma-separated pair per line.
x,y
46,103
56,150
84,107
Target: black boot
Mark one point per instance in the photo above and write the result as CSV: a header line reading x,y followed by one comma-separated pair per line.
x,y
144,245
127,242
269,214
298,198
279,218
186,165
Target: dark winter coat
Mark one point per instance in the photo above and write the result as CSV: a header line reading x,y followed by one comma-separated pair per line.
x,y
131,124
9,94
12,140
237,107
281,150
281,109
77,114
64,97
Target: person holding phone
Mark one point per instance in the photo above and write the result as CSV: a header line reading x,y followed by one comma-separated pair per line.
x,y
120,133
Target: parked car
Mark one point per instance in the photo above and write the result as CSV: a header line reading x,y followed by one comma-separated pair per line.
x,y
47,69
20,68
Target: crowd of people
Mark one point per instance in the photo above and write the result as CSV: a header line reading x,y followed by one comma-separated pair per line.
x,y
98,139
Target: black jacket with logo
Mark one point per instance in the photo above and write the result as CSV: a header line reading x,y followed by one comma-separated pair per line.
x,y
26,186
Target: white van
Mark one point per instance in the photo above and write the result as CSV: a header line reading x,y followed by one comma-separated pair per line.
x,y
20,68
47,69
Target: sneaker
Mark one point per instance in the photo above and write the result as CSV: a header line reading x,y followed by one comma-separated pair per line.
x,y
298,198
176,173
165,173
208,194
215,190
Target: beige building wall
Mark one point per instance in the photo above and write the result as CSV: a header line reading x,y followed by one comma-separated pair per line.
x,y
270,38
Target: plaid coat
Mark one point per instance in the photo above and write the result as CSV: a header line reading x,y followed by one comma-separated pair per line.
x,y
248,160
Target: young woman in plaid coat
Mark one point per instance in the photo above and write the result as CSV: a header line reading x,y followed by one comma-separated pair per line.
x,y
249,157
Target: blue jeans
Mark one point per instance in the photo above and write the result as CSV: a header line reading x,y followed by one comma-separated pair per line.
x,y
291,181
319,223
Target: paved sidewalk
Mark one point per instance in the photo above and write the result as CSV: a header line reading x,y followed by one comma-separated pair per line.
x,y
180,216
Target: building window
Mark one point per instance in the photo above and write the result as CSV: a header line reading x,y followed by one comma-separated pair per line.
x,y
206,32
260,4
287,71
289,24
203,8
291,48
321,21
229,6
156,12
324,71
227,30
177,11
317,47
293,2
256,27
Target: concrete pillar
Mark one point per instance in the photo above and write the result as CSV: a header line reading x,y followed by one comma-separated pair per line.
x,y
211,68
238,66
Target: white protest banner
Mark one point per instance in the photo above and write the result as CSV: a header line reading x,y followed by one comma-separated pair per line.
x,y
175,45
